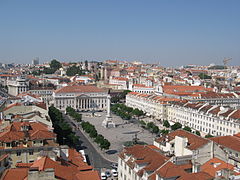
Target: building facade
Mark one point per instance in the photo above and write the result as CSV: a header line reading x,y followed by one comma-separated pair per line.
x,y
82,98
208,119
17,86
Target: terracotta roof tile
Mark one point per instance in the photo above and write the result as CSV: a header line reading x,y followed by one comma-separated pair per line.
x,y
231,142
79,89
194,141
214,165
17,173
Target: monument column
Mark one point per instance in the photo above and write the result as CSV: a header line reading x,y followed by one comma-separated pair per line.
x,y
108,121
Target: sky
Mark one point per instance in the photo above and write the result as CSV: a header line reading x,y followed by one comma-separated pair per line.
x,y
169,32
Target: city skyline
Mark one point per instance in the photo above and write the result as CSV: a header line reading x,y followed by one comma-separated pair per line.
x,y
174,34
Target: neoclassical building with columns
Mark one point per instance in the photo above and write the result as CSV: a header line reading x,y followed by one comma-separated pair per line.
x,y
82,98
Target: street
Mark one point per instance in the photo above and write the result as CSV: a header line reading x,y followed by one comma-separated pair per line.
x,y
96,160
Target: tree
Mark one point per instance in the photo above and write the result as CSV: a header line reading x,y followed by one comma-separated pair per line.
x,y
164,131
204,76
99,138
115,99
155,129
150,125
198,133
105,144
86,65
137,112
48,70
187,128
166,123
142,123
55,65
74,70
208,136
176,126
93,133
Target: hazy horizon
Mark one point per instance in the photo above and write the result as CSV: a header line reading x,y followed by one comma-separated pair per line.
x,y
173,33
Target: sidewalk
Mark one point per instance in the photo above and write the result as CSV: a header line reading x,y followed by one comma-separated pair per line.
x,y
95,145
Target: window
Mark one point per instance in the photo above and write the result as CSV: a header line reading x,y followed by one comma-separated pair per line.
x,y
31,152
18,153
8,144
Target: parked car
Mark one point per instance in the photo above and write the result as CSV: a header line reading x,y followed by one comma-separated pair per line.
x,y
114,173
108,173
103,176
114,165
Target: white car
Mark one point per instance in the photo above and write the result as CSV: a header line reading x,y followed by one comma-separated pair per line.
x,y
103,176
114,173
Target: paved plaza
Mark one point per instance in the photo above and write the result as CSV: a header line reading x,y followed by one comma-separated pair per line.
x,y
124,131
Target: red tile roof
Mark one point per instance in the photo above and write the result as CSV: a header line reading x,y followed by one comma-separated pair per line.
x,y
236,114
79,89
173,89
36,130
197,176
231,142
15,174
214,165
91,175
142,154
194,141
63,169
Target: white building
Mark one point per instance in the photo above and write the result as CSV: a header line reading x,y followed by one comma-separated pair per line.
x,y
82,98
139,162
141,88
151,104
17,86
208,119
46,93
181,144
122,82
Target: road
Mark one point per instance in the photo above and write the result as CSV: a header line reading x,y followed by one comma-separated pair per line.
x,y
96,160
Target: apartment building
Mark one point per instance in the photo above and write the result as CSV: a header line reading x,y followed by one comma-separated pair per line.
x,y
178,155
69,165
23,141
185,145
122,82
209,119
17,85
231,145
34,112
151,104
44,92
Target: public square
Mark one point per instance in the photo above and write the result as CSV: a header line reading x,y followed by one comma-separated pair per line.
x,y
124,131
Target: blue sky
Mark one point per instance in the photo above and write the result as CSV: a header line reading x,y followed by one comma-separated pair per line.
x,y
172,32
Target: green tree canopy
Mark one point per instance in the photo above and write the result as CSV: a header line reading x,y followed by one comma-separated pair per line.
x,y
55,65
187,128
176,126
164,131
204,76
166,123
198,133
208,136
74,70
